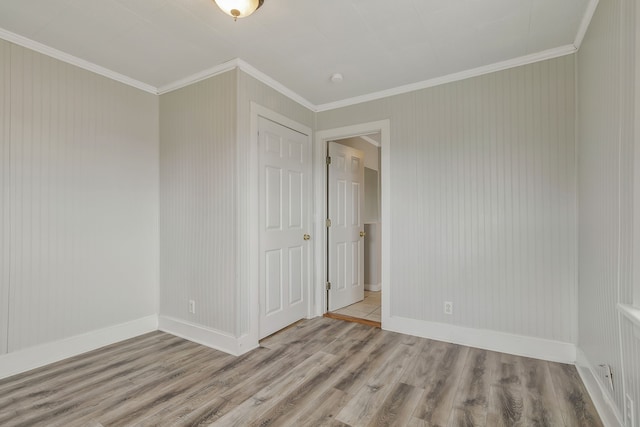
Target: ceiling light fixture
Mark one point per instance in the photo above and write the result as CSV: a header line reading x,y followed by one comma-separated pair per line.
x,y
239,8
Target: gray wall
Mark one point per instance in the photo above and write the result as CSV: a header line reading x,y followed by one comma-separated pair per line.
x,y
5,190
198,202
606,80
78,200
204,171
483,199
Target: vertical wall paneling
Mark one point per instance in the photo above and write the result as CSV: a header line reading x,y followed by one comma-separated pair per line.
x,y
606,83
483,199
635,66
83,201
5,98
204,215
197,203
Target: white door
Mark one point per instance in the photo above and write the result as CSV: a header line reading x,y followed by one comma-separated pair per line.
x,y
285,192
346,232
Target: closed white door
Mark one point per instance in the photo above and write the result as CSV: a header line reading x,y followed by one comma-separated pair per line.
x,y
346,232
285,192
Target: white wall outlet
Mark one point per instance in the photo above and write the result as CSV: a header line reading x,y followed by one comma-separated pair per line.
x,y
448,307
629,418
192,306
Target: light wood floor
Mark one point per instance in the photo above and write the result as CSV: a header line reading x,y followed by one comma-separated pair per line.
x,y
368,308
320,372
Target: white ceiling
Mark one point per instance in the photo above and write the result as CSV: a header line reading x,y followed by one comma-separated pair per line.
x,y
376,44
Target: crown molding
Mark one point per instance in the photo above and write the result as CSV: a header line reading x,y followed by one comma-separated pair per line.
x,y
73,60
475,72
248,69
586,21
274,84
281,88
198,77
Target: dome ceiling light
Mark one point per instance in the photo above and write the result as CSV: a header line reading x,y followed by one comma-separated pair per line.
x,y
239,8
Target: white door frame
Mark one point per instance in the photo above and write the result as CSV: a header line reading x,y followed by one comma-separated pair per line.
x,y
320,208
251,251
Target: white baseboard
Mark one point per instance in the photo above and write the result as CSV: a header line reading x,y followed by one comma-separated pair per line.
x,y
608,411
520,345
373,288
34,357
213,338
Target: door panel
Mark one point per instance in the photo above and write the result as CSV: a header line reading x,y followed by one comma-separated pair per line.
x,y
341,266
296,279
274,200
356,252
346,246
273,281
355,202
341,203
285,194
296,206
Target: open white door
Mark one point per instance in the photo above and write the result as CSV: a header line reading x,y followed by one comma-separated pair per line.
x,y
346,231
285,192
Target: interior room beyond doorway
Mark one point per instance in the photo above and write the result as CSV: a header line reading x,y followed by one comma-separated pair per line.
x,y
369,307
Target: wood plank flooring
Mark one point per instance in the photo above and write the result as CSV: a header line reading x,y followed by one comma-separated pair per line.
x,y
319,372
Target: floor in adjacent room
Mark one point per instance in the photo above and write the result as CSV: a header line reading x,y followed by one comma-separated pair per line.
x,y
318,372
368,309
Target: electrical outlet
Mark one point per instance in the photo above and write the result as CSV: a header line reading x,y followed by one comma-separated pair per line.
x,y
448,307
192,306
629,419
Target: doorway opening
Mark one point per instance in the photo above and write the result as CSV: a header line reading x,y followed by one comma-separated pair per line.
x,y
353,237
351,266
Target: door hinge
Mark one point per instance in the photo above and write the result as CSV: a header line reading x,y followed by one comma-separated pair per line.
x,y
328,160
328,223
328,286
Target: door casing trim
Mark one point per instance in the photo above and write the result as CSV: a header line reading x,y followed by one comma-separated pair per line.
x,y
320,208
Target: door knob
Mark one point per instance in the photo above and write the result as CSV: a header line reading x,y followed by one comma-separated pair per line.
x,y
362,234
306,237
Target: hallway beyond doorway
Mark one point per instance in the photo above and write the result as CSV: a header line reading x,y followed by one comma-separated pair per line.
x,y
368,309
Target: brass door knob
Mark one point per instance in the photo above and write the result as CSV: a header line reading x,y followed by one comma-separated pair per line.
x,y
306,237
362,234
